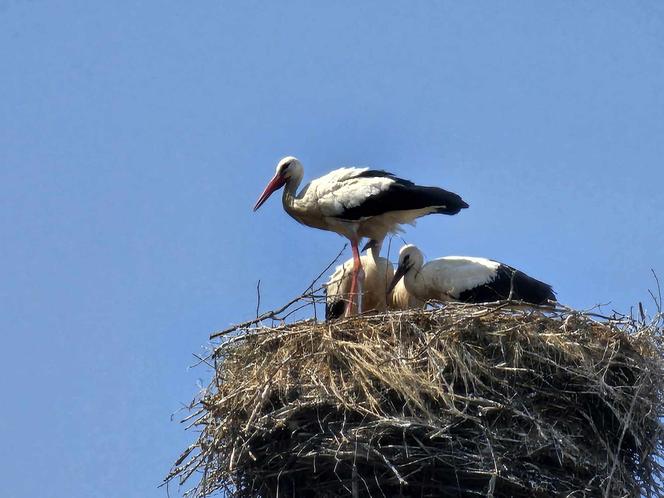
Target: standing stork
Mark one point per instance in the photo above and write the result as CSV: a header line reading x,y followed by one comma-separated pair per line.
x,y
357,203
466,279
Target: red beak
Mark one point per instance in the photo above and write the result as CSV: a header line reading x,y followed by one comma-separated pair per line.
x,y
275,184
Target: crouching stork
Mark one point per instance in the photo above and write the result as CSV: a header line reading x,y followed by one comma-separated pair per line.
x,y
357,203
378,273
467,279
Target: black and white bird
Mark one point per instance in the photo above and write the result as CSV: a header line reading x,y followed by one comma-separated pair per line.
x,y
357,203
378,273
466,279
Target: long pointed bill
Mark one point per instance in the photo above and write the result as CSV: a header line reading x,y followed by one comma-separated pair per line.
x,y
275,184
371,244
401,271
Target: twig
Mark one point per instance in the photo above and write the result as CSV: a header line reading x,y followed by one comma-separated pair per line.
x,y
265,316
272,315
336,258
658,299
258,297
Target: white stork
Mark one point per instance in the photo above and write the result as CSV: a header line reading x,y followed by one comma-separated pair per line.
x,y
466,279
398,297
357,203
378,273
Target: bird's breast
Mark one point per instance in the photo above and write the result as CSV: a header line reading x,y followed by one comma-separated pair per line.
x,y
307,215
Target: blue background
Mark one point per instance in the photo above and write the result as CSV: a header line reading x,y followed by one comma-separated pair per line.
x,y
135,137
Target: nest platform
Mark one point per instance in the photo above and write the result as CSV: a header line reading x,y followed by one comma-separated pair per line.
x,y
458,401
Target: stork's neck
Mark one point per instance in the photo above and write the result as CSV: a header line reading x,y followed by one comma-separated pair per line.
x,y
411,280
289,196
374,251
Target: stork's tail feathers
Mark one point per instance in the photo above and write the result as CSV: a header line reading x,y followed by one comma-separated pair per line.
x,y
453,208
444,201
510,283
526,288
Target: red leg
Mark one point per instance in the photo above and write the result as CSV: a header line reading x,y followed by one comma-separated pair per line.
x,y
353,305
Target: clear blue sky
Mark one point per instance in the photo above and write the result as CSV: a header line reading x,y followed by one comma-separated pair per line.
x,y
136,136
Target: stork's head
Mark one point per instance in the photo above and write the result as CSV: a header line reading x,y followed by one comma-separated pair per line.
x,y
410,259
289,169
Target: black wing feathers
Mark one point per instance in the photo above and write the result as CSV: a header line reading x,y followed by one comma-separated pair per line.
x,y
403,195
380,173
523,288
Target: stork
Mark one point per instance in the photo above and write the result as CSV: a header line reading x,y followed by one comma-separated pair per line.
x,y
398,297
356,203
466,279
378,273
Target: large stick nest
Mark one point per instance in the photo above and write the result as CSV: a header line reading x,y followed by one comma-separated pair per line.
x,y
457,401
